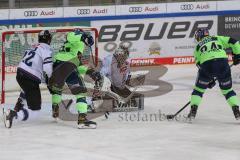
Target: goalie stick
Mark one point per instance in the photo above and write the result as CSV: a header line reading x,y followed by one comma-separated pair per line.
x,y
119,98
121,101
171,116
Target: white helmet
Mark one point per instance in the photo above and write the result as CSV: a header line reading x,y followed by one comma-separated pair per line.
x,y
121,54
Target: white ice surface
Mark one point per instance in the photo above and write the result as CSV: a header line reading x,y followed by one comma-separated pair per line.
x,y
214,135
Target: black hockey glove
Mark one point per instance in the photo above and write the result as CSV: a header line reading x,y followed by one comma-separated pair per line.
x,y
96,76
236,59
211,84
87,39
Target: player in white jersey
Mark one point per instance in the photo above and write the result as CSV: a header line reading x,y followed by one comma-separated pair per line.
x,y
35,67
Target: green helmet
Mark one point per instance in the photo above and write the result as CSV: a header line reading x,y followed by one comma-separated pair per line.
x,y
74,43
74,38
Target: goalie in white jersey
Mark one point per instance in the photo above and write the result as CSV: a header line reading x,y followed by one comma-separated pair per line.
x,y
116,68
35,67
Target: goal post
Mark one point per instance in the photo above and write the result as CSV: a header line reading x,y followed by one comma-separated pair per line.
x,y
15,42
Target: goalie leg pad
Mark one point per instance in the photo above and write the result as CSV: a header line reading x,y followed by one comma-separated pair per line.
x,y
123,92
135,103
139,99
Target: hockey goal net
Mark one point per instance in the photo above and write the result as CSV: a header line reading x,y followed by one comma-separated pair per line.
x,y
13,44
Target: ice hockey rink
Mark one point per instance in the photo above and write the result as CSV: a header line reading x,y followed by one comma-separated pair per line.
x,y
214,135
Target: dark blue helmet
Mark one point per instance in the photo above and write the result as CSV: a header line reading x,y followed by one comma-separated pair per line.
x,y
77,31
201,33
45,37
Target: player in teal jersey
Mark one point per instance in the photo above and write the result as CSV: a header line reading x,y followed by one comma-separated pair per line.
x,y
212,61
67,68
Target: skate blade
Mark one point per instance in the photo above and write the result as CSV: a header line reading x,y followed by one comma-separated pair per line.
x,y
55,119
6,122
83,126
190,120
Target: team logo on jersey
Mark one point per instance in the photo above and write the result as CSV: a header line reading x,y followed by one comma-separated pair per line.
x,y
154,49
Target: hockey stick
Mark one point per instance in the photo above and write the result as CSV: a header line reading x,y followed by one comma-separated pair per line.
x,y
91,52
171,116
119,98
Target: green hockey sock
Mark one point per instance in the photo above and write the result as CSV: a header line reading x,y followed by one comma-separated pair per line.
x,y
233,101
82,107
195,100
56,99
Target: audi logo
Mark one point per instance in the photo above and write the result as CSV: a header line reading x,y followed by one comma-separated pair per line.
x,y
30,13
135,9
187,7
83,11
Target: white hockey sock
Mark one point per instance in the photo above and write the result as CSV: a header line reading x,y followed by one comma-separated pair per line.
x,y
31,114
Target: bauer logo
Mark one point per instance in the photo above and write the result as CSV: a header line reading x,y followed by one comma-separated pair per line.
x,y
135,9
83,11
30,13
134,31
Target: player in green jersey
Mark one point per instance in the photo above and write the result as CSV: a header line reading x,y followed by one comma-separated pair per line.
x,y
212,61
67,68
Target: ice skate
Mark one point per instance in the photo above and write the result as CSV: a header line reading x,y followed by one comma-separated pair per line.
x,y
19,105
8,117
84,123
193,112
55,111
236,112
